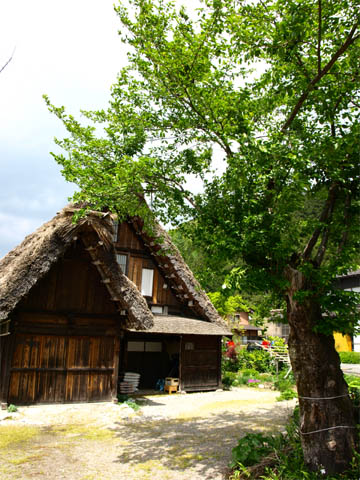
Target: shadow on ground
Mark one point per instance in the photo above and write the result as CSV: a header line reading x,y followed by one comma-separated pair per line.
x,y
201,443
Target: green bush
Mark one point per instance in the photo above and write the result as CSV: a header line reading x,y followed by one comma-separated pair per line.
x,y
228,379
12,408
279,457
287,394
128,401
259,360
349,357
251,448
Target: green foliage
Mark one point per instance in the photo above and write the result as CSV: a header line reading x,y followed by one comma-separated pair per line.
x,y
349,357
289,137
124,399
280,457
228,305
251,448
287,394
12,408
228,379
260,360
283,384
286,199
209,270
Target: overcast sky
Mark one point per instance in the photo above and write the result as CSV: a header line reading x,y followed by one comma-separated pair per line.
x,y
71,51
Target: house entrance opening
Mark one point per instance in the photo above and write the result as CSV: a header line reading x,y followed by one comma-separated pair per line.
x,y
153,357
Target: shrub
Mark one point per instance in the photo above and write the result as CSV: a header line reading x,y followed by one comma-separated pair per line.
x,y
124,399
251,448
287,394
228,379
259,360
349,357
12,408
279,457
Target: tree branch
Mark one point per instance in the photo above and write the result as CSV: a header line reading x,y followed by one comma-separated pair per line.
x,y
345,234
322,247
176,186
319,36
302,65
324,218
349,41
7,63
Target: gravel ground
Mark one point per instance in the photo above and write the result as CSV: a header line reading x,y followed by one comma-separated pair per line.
x,y
180,437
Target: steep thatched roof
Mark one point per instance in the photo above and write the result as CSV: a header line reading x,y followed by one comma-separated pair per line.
x,y
178,273
185,326
23,266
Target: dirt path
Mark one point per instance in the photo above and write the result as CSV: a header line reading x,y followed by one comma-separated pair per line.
x,y
177,437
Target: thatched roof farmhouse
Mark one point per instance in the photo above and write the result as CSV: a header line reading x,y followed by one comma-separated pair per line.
x,y
81,303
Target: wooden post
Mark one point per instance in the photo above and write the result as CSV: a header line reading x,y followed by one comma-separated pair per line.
x,y
116,368
6,352
180,364
219,362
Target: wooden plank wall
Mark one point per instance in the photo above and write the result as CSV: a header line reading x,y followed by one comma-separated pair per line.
x,y
72,285
65,333
130,243
48,368
200,367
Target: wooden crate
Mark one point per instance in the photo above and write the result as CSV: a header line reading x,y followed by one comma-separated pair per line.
x,y
171,389
172,381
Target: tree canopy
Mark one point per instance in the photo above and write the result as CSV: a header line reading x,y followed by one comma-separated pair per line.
x,y
289,136
273,86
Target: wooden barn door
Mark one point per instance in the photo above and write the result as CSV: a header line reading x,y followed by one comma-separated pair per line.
x,y
52,368
200,367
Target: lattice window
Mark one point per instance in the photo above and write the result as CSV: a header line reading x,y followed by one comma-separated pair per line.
x,y
122,261
147,280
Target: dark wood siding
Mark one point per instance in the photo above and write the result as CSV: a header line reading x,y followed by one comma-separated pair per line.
x,y
65,337
200,365
6,346
130,243
50,368
72,285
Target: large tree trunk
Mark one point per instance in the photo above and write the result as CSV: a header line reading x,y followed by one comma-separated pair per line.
x,y
316,367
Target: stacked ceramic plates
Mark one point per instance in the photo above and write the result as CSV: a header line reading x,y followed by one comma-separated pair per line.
x,y
132,379
126,388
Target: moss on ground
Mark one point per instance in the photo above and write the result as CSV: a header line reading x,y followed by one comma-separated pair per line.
x,y
13,435
88,432
210,408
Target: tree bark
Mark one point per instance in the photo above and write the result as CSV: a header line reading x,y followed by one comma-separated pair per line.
x,y
316,367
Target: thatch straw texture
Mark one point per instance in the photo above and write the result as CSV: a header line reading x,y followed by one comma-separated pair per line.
x,y
168,324
183,273
23,266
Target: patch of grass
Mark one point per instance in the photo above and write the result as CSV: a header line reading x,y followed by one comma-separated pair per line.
x,y
349,357
11,435
183,458
88,432
146,470
23,459
91,476
209,408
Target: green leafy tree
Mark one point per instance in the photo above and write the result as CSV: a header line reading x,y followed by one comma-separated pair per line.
x,y
288,136
209,270
228,305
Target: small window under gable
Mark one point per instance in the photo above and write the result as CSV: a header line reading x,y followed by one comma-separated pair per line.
x,y
116,230
147,280
121,259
